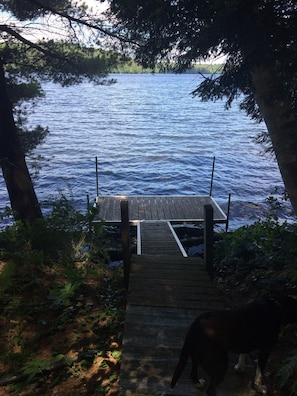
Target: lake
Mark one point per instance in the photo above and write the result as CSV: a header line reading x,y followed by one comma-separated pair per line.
x,y
151,137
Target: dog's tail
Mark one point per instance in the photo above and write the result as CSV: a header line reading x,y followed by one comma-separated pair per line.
x,y
184,356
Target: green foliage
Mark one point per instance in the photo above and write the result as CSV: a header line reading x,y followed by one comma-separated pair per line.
x,y
23,92
64,233
29,10
7,275
287,374
207,68
61,296
23,96
56,311
62,62
262,257
130,66
35,367
32,138
69,63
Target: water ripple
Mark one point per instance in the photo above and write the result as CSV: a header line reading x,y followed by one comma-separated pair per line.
x,y
151,137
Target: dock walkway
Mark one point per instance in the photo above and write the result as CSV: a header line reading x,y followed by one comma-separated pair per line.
x,y
166,292
157,237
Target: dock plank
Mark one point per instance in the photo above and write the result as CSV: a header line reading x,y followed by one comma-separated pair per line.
x,y
160,207
172,284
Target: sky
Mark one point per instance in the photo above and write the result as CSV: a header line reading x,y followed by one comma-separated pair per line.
x,y
97,5
49,27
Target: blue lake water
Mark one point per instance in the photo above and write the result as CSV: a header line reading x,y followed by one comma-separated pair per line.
x,y
151,137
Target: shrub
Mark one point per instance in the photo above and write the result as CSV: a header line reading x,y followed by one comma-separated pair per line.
x,y
286,375
63,234
260,258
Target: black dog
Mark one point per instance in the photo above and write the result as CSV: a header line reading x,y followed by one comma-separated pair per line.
x,y
255,326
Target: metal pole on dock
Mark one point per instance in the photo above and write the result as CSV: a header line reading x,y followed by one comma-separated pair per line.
x,y
97,180
208,239
228,212
212,175
88,212
125,236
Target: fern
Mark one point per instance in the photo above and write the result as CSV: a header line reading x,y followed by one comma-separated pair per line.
x,y
286,372
293,389
37,366
7,274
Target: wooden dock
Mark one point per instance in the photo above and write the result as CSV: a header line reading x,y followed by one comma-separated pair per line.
x,y
161,207
166,292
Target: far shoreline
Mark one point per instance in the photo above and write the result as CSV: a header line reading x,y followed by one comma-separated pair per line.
x,y
134,68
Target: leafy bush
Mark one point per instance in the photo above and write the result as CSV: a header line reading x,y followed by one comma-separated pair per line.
x,y
64,233
286,375
53,244
260,258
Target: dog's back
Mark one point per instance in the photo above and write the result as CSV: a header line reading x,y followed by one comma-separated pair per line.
x,y
255,326
252,327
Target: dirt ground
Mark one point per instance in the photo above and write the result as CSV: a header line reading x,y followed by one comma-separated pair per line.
x,y
69,346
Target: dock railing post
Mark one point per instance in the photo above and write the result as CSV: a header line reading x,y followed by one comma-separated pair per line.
x,y
228,212
208,239
97,179
212,175
125,236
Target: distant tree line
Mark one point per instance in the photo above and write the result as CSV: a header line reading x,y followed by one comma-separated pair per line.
x,y
132,67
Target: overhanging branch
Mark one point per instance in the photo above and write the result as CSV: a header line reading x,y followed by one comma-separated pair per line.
x,y
92,25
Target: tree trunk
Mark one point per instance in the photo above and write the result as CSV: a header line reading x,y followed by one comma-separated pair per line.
x,y
18,181
281,123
